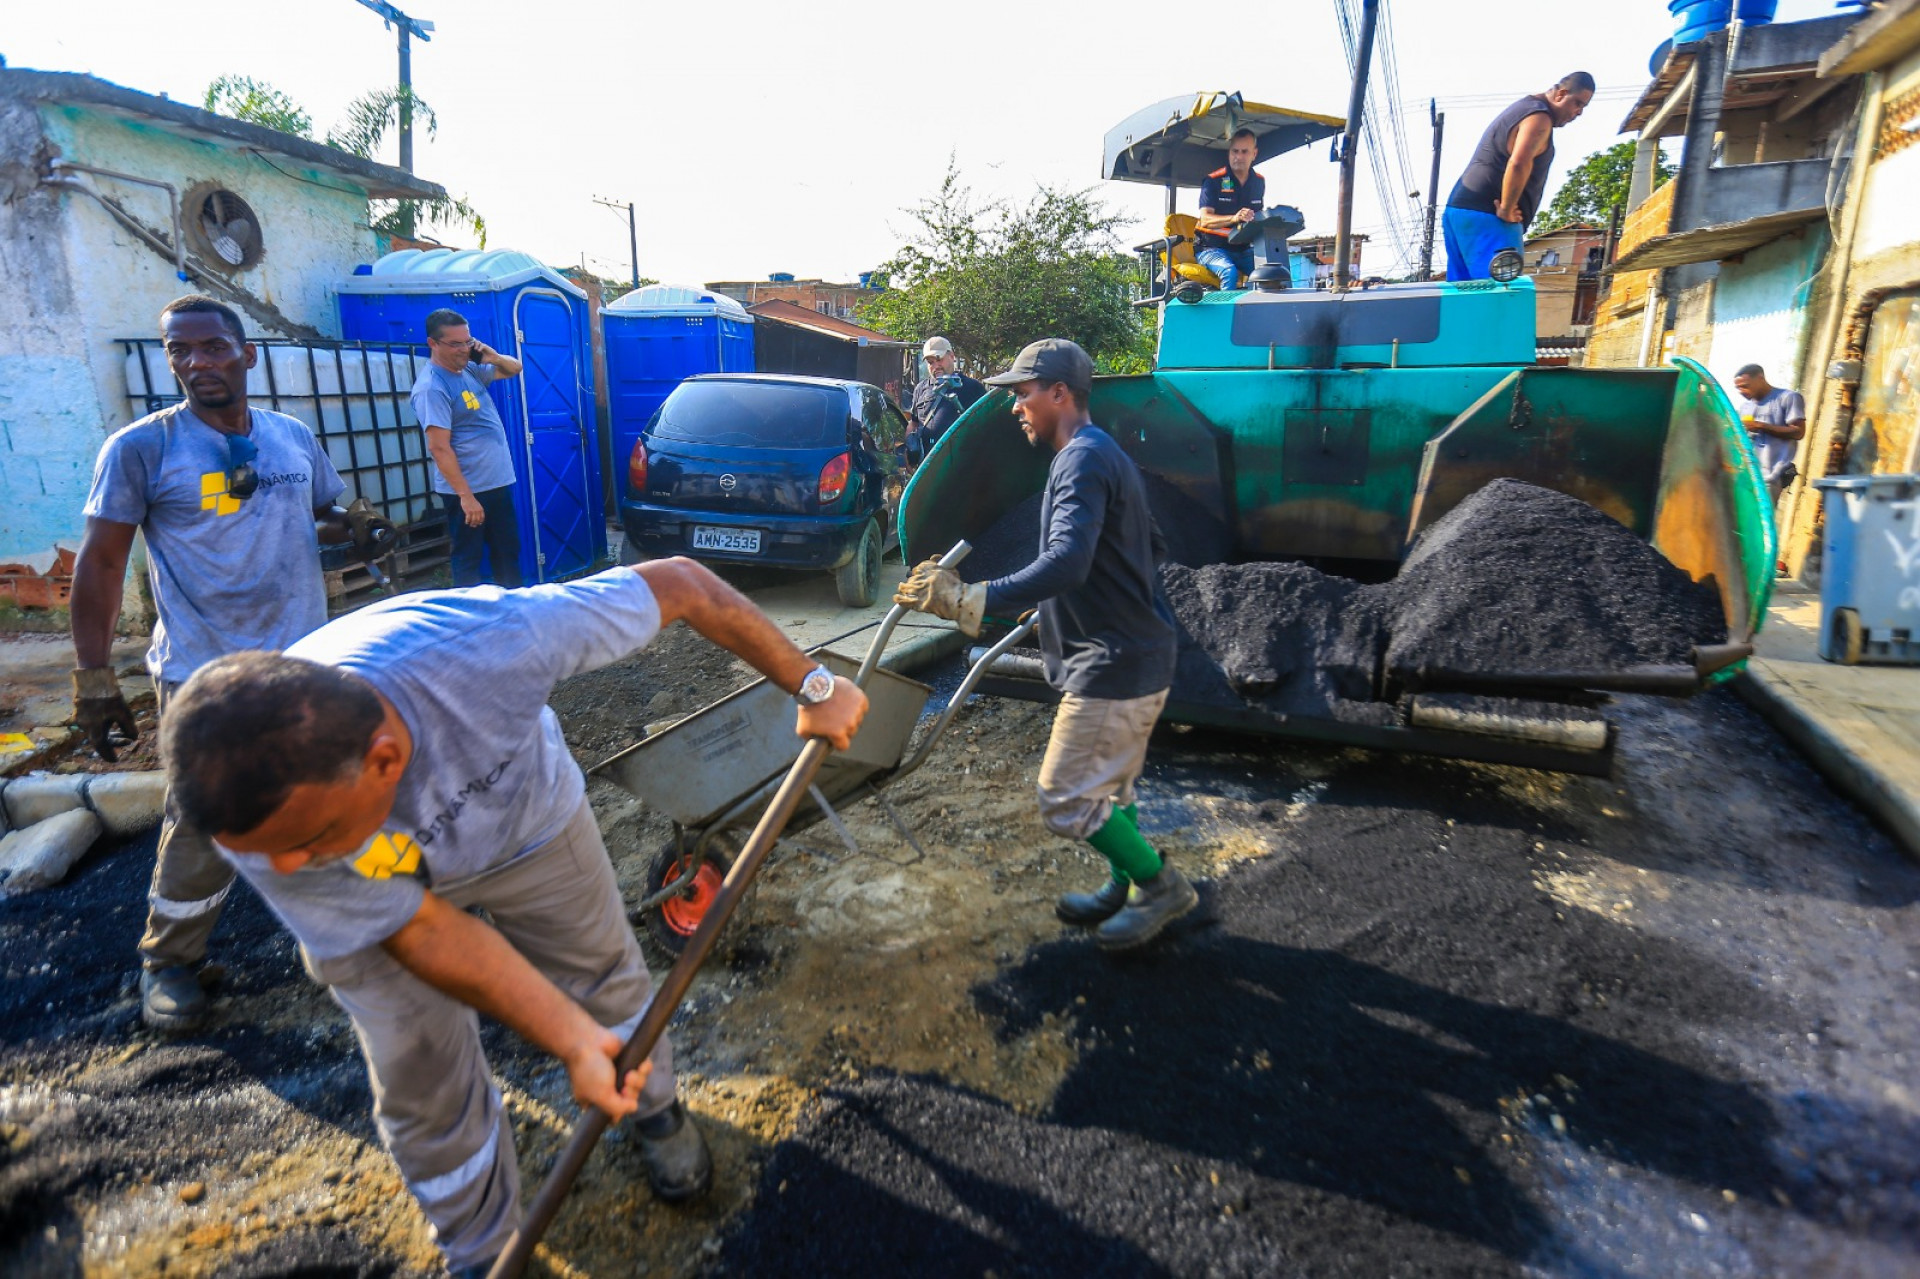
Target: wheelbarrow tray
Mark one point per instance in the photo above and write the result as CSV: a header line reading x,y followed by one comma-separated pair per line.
x,y
706,765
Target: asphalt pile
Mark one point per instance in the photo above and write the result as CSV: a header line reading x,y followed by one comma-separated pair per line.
x,y
1517,579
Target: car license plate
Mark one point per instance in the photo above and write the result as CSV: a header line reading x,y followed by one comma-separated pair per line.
x,y
741,540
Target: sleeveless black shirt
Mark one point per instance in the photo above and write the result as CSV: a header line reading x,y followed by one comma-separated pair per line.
x,y
1479,187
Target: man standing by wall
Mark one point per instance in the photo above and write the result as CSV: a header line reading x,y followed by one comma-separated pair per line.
x,y
1497,196
1106,634
234,502
396,769
1776,419
942,396
473,469
1230,197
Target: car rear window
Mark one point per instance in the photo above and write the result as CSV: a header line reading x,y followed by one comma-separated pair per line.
x,y
754,415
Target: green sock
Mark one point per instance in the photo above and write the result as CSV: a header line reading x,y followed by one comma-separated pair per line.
x,y
1131,856
1133,814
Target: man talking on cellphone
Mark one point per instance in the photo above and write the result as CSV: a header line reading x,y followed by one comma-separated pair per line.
x,y
473,469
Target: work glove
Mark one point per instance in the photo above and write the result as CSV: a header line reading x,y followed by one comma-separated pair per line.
x,y
939,591
99,707
374,535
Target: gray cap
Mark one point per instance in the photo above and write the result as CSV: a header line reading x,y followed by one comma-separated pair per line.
x,y
1049,360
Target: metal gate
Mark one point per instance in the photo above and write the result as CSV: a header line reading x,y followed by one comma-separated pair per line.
x,y
560,487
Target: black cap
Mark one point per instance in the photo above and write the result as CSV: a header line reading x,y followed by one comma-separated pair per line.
x,y
1049,360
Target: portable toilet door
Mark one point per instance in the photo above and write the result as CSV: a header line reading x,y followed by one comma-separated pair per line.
x,y
516,304
563,493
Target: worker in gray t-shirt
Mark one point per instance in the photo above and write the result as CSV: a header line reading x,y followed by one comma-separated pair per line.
x,y
473,469
234,502
1776,421
400,767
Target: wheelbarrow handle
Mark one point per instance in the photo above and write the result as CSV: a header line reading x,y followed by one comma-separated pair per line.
x,y
961,549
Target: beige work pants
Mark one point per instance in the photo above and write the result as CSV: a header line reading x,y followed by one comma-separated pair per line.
x,y
190,885
433,1096
1096,752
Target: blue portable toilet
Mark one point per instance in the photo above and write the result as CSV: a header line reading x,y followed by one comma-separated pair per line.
x,y
513,303
656,337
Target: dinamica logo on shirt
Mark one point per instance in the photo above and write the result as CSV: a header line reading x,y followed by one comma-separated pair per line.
x,y
215,497
471,400
388,855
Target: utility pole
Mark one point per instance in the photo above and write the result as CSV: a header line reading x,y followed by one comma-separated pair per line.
x,y
1433,190
409,28
633,236
1350,144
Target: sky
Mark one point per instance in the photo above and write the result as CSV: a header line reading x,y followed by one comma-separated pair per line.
x,y
761,136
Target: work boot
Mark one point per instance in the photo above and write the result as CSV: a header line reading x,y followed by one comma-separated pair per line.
x,y
478,1270
1088,909
172,1000
678,1165
1151,906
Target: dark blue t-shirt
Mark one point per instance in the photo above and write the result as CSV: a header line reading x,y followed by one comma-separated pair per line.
x,y
1224,194
1105,628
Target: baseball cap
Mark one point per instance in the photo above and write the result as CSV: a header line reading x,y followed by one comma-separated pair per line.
x,y
936,347
1049,360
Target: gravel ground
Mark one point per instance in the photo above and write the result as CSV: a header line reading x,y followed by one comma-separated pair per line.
x,y
1433,1018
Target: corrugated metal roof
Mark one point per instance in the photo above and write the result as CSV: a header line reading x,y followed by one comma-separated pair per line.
x,y
379,181
1715,243
791,313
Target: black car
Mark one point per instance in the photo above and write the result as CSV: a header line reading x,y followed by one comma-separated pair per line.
x,y
766,469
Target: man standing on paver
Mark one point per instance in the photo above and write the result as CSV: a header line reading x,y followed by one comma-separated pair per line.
x,y
1776,420
1106,634
400,767
234,502
473,469
942,396
1496,197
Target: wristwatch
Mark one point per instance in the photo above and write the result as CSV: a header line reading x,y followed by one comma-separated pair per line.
x,y
816,688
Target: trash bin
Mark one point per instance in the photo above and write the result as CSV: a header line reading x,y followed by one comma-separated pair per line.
x,y
1870,569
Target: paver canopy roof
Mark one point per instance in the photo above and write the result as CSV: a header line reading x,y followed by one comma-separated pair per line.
x,y
1182,140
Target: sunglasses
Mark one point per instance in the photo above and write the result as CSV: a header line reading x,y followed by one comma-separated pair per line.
x,y
242,480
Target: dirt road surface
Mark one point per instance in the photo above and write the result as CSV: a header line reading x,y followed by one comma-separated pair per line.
x,y
1432,1018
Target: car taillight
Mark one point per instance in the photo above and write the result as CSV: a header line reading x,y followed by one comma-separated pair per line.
x,y
833,478
637,469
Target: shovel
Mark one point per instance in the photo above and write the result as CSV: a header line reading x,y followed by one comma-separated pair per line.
x,y
593,1122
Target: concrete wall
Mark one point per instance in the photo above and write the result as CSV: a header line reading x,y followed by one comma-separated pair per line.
x,y
1760,310
83,281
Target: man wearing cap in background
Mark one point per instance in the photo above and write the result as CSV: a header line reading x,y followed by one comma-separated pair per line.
x,y
940,398
1496,197
1106,633
234,502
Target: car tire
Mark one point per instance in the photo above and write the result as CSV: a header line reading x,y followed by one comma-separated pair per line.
x,y
858,580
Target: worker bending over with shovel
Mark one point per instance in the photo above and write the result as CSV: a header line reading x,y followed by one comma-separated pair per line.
x,y
1106,634
399,767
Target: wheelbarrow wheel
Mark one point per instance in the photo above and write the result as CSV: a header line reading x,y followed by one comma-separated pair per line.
x,y
671,924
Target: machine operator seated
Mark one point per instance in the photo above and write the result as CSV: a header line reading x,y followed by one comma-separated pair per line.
x,y
1229,197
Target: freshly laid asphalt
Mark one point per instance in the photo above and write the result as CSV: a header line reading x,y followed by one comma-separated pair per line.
x,y
1461,1021
1452,1020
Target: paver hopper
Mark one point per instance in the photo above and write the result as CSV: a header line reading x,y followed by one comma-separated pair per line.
x,y
1335,427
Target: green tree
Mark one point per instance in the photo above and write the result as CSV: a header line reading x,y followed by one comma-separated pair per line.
x,y
361,132
995,276
1595,185
257,102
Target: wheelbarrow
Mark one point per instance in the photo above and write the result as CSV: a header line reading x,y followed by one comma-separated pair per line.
x,y
714,772
732,741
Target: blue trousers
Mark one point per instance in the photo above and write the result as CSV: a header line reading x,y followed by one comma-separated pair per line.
x,y
1231,265
496,541
1473,238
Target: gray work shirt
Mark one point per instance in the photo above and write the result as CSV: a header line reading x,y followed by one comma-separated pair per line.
x,y
227,573
469,672
1105,628
460,403
1777,407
